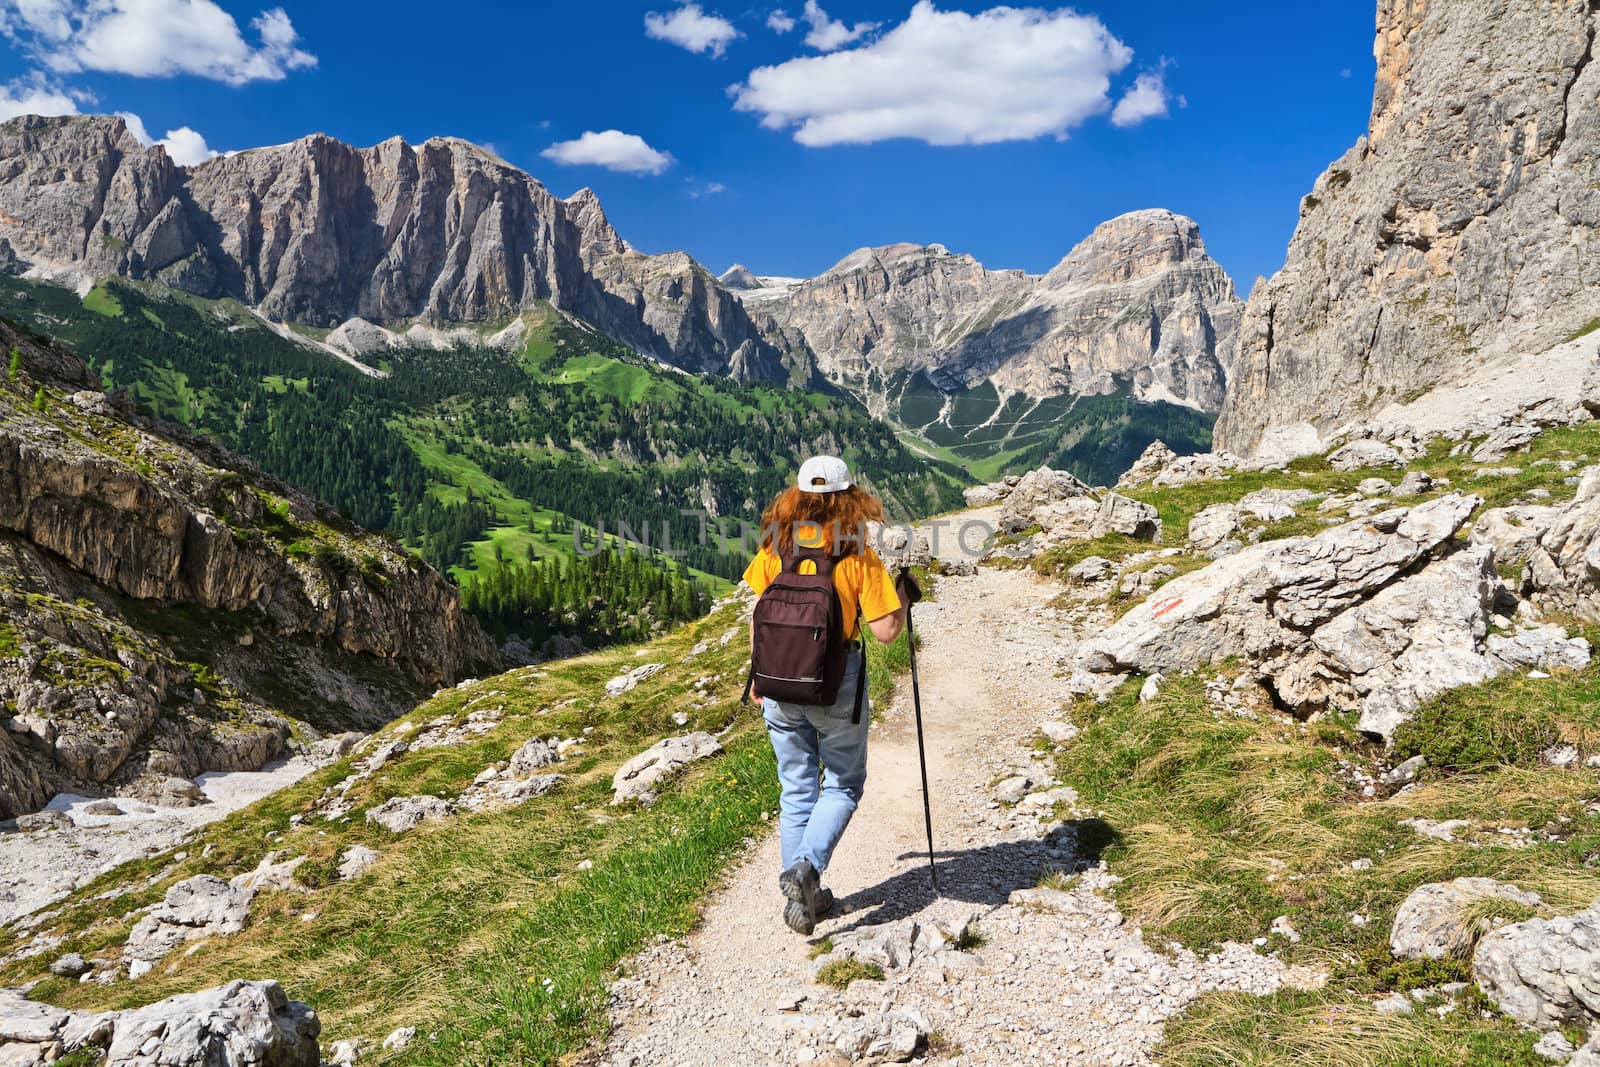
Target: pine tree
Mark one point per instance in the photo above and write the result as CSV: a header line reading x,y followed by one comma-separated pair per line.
x,y
39,399
15,370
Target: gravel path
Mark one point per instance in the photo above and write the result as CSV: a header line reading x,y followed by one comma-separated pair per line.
x,y
1059,976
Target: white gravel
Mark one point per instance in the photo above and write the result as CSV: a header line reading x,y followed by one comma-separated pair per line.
x,y
39,868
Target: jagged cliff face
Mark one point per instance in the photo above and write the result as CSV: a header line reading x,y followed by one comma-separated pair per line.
x,y
159,597
1461,229
318,232
1138,302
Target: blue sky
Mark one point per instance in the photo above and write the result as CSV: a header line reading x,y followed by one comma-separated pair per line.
x,y
989,131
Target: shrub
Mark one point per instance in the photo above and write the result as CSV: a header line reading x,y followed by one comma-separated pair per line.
x,y
1461,731
840,973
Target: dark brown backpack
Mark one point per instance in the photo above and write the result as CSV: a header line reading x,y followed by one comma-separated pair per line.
x,y
799,651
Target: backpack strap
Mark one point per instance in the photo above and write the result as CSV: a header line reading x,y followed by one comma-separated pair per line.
x,y
861,678
820,557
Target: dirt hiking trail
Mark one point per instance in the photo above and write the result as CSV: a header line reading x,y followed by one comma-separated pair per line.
x,y
1056,977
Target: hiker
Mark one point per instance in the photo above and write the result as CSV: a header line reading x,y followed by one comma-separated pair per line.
x,y
818,579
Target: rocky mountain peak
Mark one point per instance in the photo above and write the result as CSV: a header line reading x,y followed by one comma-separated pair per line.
x,y
597,237
1125,249
739,276
883,256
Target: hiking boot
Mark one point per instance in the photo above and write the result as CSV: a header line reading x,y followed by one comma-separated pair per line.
x,y
824,901
803,889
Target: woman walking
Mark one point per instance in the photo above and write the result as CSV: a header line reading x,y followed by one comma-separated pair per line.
x,y
807,664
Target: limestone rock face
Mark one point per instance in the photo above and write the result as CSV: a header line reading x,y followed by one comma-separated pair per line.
x,y
1544,973
103,514
1377,616
318,232
1563,571
1138,301
1461,228
639,778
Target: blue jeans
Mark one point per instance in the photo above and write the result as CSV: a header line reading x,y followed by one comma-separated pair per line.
x,y
822,768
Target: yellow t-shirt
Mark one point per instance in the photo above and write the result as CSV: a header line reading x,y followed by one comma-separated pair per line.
x,y
861,580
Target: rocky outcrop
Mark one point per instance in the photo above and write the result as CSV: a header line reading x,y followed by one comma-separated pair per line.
x,y
1376,616
1442,920
1544,973
199,907
1461,230
1563,571
317,232
241,1024
639,778
1137,303
105,517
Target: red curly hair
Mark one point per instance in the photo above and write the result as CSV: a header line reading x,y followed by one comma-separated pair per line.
x,y
841,517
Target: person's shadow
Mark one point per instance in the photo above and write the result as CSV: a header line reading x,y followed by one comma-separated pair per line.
x,y
984,876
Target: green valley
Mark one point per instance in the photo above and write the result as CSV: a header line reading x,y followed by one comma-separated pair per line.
x,y
493,462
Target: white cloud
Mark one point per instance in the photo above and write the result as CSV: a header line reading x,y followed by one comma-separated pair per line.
x,y
155,38
708,189
692,28
184,145
947,78
1146,98
827,34
780,21
35,96
611,149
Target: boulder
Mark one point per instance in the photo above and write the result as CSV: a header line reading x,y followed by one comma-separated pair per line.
x,y
1563,572
1358,455
1415,483
979,496
1544,973
1274,505
1151,462
193,909
407,813
1442,920
355,860
1212,526
1205,466
1037,490
1513,532
1090,570
630,680
638,778
40,821
1540,648
272,873
1130,518
1374,616
1505,440
178,793
71,965
32,1033
241,1024
534,755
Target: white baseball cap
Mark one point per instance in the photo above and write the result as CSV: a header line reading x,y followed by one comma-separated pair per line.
x,y
823,474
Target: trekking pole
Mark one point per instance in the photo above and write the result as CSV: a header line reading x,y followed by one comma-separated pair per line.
x,y
916,703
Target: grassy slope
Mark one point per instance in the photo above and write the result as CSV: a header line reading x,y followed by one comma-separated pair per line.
x,y
1223,823
482,932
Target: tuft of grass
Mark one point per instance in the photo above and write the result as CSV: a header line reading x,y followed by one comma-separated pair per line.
x,y
821,948
1472,729
840,973
971,939
1585,330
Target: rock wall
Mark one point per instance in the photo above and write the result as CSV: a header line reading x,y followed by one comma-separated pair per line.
x,y
166,608
1462,229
